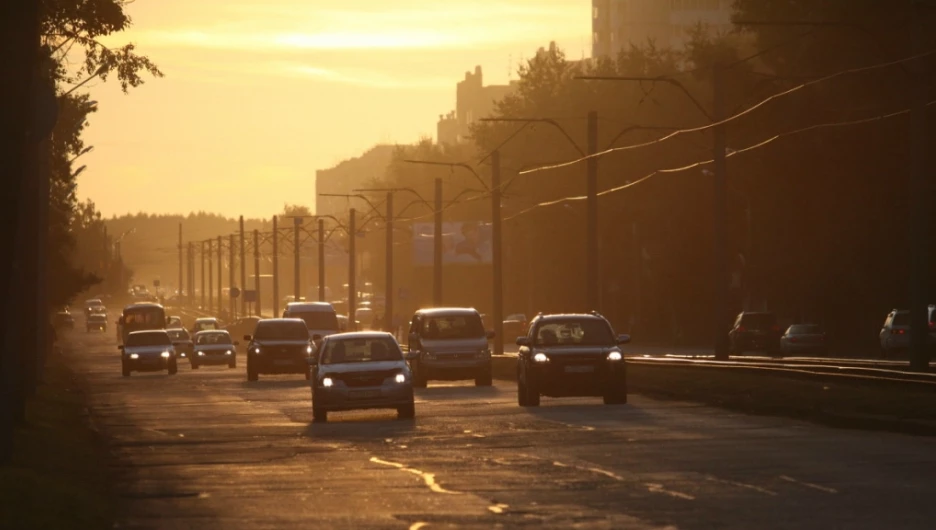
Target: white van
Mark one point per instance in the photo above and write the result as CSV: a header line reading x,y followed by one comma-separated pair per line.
x,y
320,317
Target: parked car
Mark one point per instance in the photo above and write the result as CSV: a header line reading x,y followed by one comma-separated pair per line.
x,y
214,347
754,331
895,333
450,344
182,342
278,346
96,322
804,338
148,351
364,370
571,355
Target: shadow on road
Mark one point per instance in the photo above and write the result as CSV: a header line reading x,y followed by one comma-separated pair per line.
x,y
365,425
275,384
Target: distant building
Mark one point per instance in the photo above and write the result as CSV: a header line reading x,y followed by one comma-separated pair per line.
x,y
348,175
473,101
618,23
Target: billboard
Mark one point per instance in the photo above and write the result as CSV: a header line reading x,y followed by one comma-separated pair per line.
x,y
467,242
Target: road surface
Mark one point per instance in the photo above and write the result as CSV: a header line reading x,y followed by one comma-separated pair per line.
x,y
205,449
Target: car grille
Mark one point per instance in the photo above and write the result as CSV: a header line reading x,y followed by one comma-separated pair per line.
x,y
360,379
285,352
456,356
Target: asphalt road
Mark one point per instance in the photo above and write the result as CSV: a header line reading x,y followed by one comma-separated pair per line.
x,y
205,449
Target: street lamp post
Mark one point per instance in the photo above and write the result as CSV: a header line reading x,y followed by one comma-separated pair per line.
x,y
321,259
352,285
275,267
220,289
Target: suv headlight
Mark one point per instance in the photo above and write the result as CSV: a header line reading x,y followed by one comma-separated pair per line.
x,y
134,356
309,350
165,355
400,378
327,382
256,350
615,356
540,358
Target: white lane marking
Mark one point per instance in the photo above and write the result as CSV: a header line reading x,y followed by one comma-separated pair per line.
x,y
751,487
417,526
659,488
498,508
809,484
605,473
428,478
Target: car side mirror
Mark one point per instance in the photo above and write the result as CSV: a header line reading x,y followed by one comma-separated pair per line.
x,y
524,341
624,339
247,338
491,335
120,348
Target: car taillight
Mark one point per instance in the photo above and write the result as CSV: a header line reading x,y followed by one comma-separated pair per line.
x,y
793,339
741,329
897,332
932,325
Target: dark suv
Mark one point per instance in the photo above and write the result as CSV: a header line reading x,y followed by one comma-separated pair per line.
x,y
755,332
571,355
278,346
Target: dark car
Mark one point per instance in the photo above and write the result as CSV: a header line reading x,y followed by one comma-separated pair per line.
x,y
64,319
449,344
148,351
755,331
278,346
804,338
182,342
571,355
214,347
96,322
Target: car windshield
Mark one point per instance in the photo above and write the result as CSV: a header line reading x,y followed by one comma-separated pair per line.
x,y
758,321
581,331
902,318
214,337
178,334
97,318
148,339
805,329
206,324
318,319
144,317
466,326
338,351
281,331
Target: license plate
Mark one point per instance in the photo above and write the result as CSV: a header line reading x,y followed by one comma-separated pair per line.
x,y
579,369
362,394
282,362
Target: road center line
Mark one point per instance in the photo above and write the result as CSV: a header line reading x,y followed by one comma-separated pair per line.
x,y
428,478
742,485
659,488
497,508
809,484
417,526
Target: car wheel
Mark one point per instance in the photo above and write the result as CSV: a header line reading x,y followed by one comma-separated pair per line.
x,y
233,363
126,371
173,367
484,378
521,391
252,374
419,378
531,396
615,395
319,415
406,412
308,375
194,364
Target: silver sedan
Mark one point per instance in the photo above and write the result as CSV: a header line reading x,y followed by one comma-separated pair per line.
x,y
365,370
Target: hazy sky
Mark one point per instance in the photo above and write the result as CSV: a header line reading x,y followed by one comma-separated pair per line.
x,y
260,94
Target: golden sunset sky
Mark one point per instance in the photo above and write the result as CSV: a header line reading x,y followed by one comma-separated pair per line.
x,y
260,94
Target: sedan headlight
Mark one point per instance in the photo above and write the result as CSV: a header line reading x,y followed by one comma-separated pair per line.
x,y
165,355
540,358
229,352
309,350
201,354
327,382
615,356
400,378
134,356
257,351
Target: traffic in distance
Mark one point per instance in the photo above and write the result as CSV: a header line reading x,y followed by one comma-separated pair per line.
x,y
559,355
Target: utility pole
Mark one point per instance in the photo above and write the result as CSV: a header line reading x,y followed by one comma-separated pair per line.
x,y
190,267
181,277
231,273
352,287
321,259
591,225
275,268
720,208
220,281
297,222
256,235
388,302
203,294
243,266
211,281
498,287
437,247
921,195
